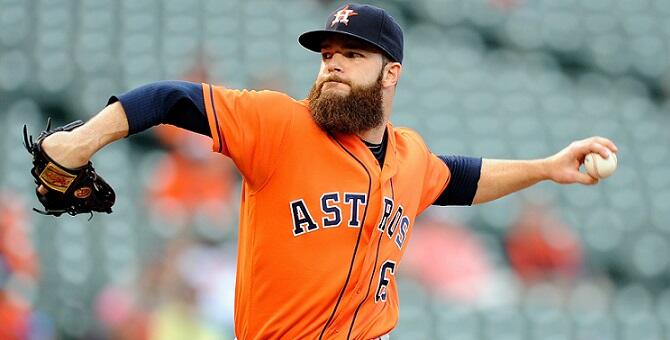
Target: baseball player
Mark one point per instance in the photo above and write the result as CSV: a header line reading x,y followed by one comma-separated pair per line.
x,y
331,188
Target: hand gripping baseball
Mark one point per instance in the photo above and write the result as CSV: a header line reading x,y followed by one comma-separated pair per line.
x,y
564,166
72,191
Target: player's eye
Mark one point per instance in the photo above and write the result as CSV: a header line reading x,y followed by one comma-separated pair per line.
x,y
326,55
352,54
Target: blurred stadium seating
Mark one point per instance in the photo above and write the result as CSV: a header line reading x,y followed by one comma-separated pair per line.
x,y
492,78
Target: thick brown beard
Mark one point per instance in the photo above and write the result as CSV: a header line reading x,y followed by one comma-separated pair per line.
x,y
359,111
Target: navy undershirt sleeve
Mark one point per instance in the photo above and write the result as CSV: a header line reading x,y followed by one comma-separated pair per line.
x,y
174,102
465,172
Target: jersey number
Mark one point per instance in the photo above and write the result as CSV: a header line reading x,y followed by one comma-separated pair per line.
x,y
384,280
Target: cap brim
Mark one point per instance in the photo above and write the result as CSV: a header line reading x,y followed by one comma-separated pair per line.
x,y
312,40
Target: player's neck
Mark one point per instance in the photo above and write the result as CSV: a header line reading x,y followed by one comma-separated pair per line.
x,y
374,135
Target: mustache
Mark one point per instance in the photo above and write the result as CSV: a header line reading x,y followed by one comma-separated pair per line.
x,y
333,78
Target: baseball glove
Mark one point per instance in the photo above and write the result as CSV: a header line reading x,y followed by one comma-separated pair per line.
x,y
72,191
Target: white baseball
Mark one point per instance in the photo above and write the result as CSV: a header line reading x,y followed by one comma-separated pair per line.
x,y
599,167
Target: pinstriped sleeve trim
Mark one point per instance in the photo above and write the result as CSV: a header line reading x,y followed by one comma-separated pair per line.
x,y
212,118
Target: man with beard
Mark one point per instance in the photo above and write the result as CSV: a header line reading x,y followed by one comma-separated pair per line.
x,y
331,188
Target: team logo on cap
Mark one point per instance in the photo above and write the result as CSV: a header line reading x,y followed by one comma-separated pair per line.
x,y
343,16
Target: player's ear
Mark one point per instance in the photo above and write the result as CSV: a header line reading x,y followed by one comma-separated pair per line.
x,y
391,71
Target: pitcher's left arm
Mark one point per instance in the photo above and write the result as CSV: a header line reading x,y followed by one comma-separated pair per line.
x,y
502,177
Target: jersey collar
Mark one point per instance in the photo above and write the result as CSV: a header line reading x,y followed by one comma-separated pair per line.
x,y
390,161
354,144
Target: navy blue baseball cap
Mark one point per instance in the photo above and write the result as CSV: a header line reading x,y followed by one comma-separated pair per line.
x,y
367,23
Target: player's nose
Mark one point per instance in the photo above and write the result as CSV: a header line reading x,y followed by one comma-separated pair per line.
x,y
334,64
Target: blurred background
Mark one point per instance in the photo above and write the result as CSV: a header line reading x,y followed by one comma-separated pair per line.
x,y
492,78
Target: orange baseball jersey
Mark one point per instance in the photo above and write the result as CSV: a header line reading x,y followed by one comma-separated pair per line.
x,y
322,226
